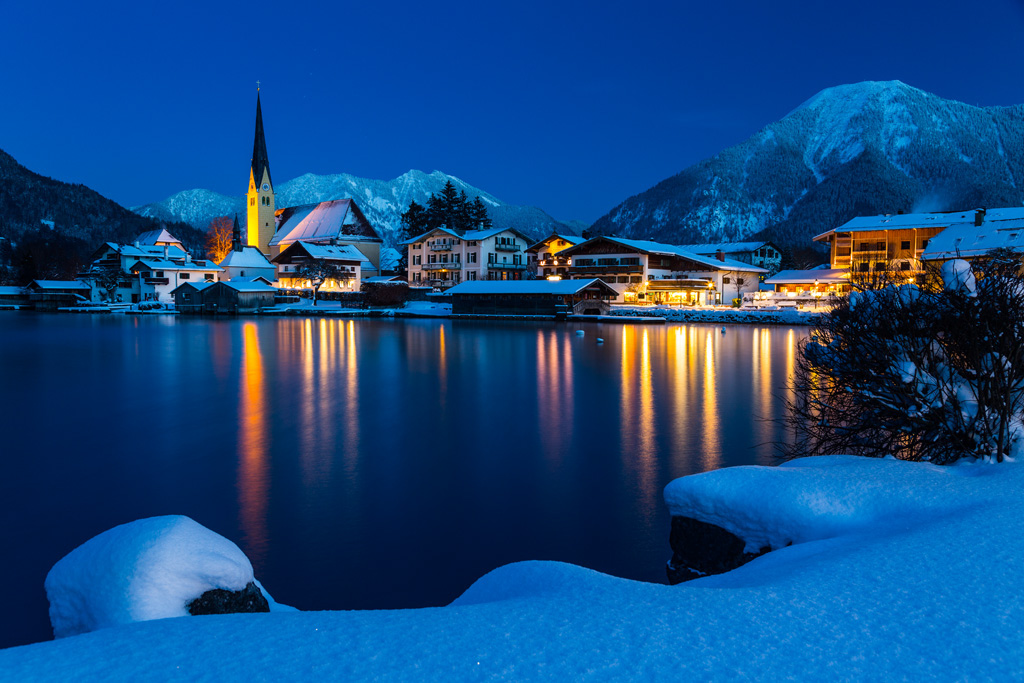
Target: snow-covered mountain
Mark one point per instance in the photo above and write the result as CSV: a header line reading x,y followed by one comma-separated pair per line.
x,y
866,148
383,202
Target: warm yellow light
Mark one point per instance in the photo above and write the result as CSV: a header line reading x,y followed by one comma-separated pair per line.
x,y
554,278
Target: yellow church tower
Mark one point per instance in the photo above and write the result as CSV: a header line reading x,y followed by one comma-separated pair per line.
x,y
260,226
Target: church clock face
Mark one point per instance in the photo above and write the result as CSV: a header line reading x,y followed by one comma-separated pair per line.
x,y
266,186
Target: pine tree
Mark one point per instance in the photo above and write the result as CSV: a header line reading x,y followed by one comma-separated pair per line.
x,y
481,219
414,221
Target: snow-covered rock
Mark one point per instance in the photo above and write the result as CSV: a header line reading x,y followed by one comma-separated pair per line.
x,y
898,571
147,569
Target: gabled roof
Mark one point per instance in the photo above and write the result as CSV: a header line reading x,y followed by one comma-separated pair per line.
x,y
710,249
339,219
198,286
325,252
571,239
59,284
469,235
157,238
148,251
257,278
239,286
551,287
248,257
648,247
260,161
807,277
384,278
968,240
907,221
165,264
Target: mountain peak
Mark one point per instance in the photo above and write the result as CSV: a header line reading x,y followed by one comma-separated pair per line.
x,y
854,96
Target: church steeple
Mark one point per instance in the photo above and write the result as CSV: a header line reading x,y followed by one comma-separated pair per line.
x,y
236,236
260,221
260,160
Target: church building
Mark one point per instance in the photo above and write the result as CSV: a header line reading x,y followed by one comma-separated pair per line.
x,y
338,222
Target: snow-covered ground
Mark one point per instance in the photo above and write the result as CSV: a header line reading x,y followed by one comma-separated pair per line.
x,y
896,570
763,316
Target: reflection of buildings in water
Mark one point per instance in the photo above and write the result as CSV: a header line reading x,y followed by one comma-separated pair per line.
x,y
763,387
711,456
639,435
253,475
554,394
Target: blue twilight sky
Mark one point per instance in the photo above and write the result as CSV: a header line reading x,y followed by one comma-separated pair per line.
x,y
570,106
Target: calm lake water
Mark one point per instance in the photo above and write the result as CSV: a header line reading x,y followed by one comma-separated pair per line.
x,y
369,463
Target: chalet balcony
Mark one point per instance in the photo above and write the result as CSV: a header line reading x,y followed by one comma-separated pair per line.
x,y
455,265
156,280
506,266
441,246
553,262
507,247
603,270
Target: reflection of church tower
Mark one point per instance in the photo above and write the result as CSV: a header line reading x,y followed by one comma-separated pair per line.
x,y
260,225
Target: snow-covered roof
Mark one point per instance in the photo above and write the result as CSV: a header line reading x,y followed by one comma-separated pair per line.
x,y
384,278
60,284
241,286
337,219
248,257
969,240
710,249
650,247
324,252
469,235
571,239
165,264
10,290
199,285
808,277
906,221
148,250
157,237
555,287
255,278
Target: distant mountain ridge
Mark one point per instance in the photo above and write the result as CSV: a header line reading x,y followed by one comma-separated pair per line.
x,y
382,201
861,149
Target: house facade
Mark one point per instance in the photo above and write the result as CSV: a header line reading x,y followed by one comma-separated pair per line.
x,y
763,254
642,271
346,260
148,272
244,261
443,258
544,258
531,297
335,223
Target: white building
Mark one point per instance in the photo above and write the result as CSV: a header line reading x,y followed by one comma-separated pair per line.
x,y
652,272
443,258
149,272
244,261
346,259
339,223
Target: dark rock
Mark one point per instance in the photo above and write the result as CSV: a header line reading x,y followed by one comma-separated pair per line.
x,y
220,601
700,549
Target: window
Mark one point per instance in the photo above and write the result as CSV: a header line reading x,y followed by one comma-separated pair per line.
x,y
515,260
739,281
631,261
471,257
863,267
880,246
243,274
416,277
417,259
924,244
623,279
186,276
636,278
726,280
209,277
905,265
491,259
905,244
159,273
417,246
471,243
879,266
432,258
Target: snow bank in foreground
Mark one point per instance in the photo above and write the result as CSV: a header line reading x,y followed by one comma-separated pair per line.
x,y
147,569
918,577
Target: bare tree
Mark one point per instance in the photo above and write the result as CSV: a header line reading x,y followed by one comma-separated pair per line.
x,y
219,236
917,372
106,276
318,271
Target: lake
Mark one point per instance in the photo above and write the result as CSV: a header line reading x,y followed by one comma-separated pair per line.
x,y
369,463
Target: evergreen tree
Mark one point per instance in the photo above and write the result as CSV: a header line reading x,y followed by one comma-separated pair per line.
x,y
481,219
414,221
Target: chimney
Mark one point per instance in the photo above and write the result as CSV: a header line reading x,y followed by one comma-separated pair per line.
x,y
166,251
979,217
720,255
136,244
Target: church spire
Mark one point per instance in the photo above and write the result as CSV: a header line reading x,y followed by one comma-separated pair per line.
x,y
260,161
236,236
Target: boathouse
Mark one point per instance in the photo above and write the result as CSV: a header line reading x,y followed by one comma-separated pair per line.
x,y
531,297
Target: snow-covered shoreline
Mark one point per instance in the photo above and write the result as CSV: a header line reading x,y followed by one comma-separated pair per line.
x,y
728,316
896,570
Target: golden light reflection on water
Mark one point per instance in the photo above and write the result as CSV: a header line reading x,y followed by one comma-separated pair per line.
x,y
711,457
638,432
352,431
253,480
554,393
